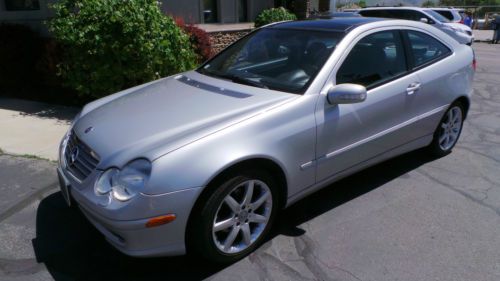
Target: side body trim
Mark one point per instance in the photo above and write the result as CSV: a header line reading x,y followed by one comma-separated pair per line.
x,y
381,134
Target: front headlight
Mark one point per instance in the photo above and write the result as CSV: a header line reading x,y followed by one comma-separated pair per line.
x,y
124,184
458,30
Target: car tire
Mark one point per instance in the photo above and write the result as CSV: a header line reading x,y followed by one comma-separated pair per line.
x,y
448,130
246,220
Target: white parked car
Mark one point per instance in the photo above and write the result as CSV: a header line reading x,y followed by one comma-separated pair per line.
x,y
460,32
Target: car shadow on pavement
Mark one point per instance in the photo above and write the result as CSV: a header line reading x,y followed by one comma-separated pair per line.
x,y
39,109
72,249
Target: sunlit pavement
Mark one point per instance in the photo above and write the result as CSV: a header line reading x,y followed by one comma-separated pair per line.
x,y
411,218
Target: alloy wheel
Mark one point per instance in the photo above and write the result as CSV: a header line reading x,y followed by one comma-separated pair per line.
x,y
450,128
242,216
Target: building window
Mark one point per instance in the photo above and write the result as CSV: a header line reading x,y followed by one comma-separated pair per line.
x,y
209,11
22,5
242,11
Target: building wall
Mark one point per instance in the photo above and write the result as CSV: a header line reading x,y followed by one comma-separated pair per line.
x,y
227,10
192,11
33,19
189,10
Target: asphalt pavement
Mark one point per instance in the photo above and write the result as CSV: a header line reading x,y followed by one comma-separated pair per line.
x,y
410,218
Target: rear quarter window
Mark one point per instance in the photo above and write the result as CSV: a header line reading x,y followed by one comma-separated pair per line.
x,y
425,49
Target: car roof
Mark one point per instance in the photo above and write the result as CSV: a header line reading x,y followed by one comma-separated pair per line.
x,y
335,24
395,8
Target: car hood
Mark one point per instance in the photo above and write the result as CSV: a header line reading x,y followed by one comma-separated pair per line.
x,y
458,26
159,117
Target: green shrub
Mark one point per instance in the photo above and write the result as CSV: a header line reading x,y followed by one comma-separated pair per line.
x,y
199,39
273,15
111,45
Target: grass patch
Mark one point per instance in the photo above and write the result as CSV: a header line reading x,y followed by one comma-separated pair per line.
x,y
35,157
28,156
31,156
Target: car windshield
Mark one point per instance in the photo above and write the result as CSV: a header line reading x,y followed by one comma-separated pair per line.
x,y
437,16
279,59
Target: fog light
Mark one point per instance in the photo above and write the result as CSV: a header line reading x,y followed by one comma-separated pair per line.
x,y
161,220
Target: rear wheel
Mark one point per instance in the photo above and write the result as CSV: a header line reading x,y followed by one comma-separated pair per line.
x,y
235,218
448,131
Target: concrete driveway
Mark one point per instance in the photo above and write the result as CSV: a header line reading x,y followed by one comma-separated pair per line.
x,y
411,218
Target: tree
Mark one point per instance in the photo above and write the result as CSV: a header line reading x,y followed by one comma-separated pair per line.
x,y
428,3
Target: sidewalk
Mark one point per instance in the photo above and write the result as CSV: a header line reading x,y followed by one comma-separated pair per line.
x,y
482,35
33,128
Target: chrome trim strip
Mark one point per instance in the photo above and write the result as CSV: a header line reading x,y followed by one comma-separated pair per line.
x,y
383,133
170,192
210,88
307,165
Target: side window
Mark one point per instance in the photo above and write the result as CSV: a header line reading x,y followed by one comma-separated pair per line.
x,y
370,13
425,48
446,14
397,14
416,15
377,58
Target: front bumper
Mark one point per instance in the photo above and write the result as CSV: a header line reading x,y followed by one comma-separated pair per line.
x,y
123,223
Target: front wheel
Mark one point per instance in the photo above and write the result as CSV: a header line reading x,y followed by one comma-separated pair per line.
x,y
448,131
235,218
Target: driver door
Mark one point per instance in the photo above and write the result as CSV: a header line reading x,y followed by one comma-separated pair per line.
x,y
349,134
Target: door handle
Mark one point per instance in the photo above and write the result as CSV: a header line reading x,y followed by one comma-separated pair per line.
x,y
413,88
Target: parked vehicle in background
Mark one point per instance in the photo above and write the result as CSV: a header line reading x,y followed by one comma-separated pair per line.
x,y
332,15
351,10
204,160
455,16
458,31
451,14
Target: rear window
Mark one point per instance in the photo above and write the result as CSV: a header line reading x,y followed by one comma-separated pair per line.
x,y
437,16
446,14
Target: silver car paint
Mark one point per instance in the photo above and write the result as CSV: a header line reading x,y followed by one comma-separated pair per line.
x,y
192,135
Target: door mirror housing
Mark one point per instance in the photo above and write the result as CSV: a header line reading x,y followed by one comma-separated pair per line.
x,y
346,93
424,20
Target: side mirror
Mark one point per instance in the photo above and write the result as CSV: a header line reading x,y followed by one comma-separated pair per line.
x,y
346,93
424,20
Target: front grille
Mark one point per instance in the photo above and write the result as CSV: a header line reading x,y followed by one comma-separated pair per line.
x,y
80,159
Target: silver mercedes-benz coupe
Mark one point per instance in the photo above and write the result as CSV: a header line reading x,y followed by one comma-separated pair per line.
x,y
201,162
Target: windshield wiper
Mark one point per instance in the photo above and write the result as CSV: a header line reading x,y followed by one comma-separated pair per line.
x,y
246,81
234,78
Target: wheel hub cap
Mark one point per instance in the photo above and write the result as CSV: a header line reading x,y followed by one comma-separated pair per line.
x,y
243,216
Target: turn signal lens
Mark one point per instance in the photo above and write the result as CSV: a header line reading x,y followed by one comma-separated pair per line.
x,y
161,220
